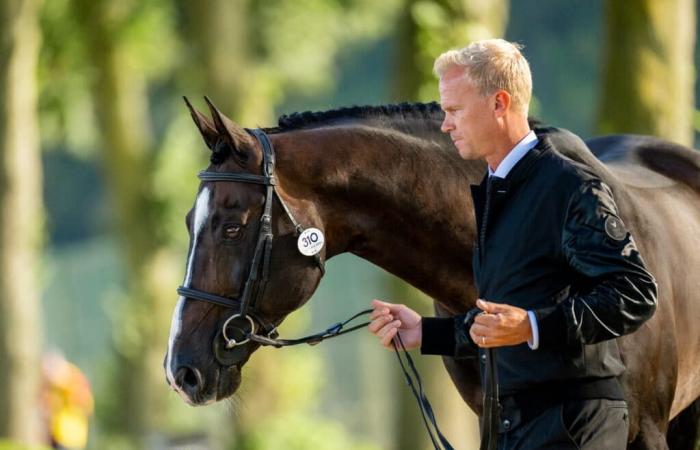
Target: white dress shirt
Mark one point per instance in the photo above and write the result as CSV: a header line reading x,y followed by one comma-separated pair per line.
x,y
515,155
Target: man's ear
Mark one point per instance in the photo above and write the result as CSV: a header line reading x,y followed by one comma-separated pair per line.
x,y
206,128
501,103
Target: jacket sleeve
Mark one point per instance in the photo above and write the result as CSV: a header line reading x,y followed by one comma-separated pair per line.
x,y
449,336
597,246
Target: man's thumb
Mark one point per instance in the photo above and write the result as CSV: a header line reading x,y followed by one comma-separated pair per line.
x,y
491,307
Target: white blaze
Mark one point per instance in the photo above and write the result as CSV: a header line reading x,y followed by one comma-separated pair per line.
x,y
201,212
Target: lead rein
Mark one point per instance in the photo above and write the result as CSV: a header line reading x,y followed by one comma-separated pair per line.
x,y
337,329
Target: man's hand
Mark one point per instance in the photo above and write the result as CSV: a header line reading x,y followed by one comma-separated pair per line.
x,y
500,325
389,318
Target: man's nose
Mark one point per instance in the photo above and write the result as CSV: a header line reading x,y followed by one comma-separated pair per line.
x,y
446,126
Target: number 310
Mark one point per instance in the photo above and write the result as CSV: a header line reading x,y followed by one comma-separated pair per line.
x,y
310,239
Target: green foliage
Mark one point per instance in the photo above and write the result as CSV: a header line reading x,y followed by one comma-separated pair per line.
x,y
298,431
13,445
181,155
696,120
150,37
300,60
147,34
297,42
305,59
444,24
65,104
563,43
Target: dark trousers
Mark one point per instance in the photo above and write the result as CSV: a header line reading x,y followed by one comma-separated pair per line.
x,y
594,424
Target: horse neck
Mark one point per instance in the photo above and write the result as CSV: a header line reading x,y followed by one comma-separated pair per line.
x,y
398,200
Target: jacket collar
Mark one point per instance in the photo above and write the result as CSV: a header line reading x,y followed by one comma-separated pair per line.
x,y
501,187
521,169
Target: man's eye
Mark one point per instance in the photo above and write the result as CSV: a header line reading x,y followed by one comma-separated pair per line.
x,y
232,231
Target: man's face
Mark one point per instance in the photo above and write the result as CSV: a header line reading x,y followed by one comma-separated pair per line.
x,y
469,116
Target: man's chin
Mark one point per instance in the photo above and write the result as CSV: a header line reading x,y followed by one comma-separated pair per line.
x,y
462,151
465,153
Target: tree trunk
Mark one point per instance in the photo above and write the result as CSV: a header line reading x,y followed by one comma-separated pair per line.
x,y
21,223
218,32
122,109
648,69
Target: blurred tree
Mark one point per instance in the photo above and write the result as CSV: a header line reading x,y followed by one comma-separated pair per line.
x,y
249,55
21,223
426,29
220,51
648,69
113,33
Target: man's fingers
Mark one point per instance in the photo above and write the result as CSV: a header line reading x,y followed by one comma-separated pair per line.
x,y
388,327
487,319
480,330
393,308
389,336
381,311
477,338
379,322
379,304
484,341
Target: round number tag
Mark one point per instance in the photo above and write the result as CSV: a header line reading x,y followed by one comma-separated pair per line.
x,y
310,241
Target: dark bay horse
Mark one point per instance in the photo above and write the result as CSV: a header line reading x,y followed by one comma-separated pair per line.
x,y
383,183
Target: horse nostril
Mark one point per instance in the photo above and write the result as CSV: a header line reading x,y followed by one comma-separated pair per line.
x,y
189,379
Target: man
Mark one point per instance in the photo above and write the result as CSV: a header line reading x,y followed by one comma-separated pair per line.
x,y
557,274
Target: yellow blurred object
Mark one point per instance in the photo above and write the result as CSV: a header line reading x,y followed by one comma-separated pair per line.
x,y
68,402
69,428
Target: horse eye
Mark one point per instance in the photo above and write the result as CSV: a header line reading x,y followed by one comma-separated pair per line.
x,y
232,231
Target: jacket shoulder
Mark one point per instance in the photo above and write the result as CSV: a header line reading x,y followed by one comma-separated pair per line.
x,y
568,175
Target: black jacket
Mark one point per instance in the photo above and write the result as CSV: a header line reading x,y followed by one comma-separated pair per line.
x,y
550,240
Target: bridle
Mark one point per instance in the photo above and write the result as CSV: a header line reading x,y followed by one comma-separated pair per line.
x,y
245,320
247,315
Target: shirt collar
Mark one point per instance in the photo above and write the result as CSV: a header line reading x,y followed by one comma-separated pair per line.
x,y
515,155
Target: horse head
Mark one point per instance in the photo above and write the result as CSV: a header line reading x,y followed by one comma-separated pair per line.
x,y
236,283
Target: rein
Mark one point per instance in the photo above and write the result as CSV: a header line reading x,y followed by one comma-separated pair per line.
x,y
245,320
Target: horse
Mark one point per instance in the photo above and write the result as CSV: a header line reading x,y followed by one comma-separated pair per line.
x,y
383,183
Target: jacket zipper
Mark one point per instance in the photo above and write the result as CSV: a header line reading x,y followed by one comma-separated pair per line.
x,y
484,219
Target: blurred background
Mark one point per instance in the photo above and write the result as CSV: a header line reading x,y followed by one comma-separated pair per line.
x,y
99,163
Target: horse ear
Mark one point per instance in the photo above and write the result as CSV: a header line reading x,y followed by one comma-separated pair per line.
x,y
227,127
204,125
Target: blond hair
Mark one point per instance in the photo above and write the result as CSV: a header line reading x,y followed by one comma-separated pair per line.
x,y
492,64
